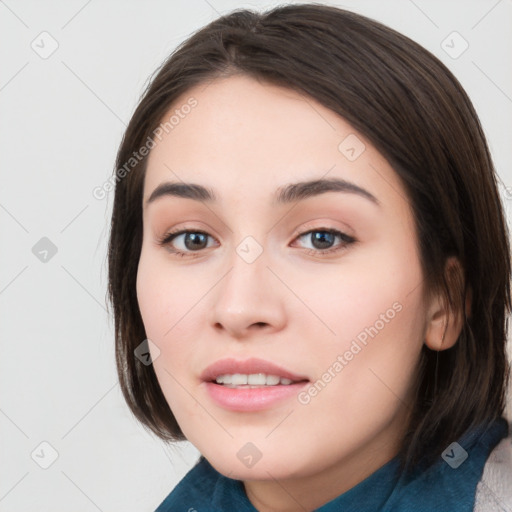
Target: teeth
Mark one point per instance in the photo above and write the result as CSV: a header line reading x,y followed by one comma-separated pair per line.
x,y
253,380
272,380
238,379
258,379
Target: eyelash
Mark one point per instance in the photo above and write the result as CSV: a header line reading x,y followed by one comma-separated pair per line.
x,y
166,240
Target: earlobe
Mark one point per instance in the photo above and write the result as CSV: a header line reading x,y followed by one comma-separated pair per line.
x,y
445,322
442,332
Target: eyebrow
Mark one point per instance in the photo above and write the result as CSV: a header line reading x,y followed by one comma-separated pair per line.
x,y
286,194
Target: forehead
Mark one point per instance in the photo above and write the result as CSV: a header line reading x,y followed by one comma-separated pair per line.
x,y
245,137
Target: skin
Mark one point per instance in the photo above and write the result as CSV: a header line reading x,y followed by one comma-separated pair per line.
x,y
244,140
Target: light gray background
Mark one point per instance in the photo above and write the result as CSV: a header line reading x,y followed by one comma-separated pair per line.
x,y
62,119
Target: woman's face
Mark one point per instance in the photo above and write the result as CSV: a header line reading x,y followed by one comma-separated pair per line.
x,y
322,281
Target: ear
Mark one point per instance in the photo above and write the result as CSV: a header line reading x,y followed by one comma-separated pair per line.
x,y
444,322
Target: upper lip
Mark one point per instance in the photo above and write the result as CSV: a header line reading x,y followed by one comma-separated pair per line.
x,y
248,366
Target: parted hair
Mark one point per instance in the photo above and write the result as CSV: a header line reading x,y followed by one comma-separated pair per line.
x,y
414,111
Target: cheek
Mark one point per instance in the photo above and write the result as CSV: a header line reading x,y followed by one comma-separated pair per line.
x,y
174,303
151,298
164,296
166,302
160,305
379,324
375,289
369,309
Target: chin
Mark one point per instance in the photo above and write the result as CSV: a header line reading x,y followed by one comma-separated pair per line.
x,y
237,464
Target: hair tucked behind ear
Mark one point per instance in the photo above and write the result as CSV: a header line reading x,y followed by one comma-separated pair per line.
x,y
415,112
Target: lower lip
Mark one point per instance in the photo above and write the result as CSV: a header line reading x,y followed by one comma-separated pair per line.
x,y
252,399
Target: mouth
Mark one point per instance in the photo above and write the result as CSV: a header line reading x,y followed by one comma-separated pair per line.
x,y
250,385
250,372
253,380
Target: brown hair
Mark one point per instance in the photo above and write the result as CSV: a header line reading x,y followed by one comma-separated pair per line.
x,y
415,112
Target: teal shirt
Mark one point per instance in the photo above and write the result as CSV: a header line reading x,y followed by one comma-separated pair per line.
x,y
443,487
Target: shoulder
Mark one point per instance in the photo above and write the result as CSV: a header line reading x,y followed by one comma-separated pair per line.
x,y
494,490
196,486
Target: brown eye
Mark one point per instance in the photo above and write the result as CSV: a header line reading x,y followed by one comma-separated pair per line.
x,y
194,241
185,242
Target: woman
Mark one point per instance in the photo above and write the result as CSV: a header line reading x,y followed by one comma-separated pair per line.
x,y
309,269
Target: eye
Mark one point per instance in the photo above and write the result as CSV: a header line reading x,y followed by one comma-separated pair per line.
x,y
189,241
323,239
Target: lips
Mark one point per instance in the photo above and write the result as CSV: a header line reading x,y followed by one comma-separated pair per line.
x,y
248,367
248,398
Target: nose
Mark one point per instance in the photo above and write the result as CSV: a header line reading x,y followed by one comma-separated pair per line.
x,y
249,299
